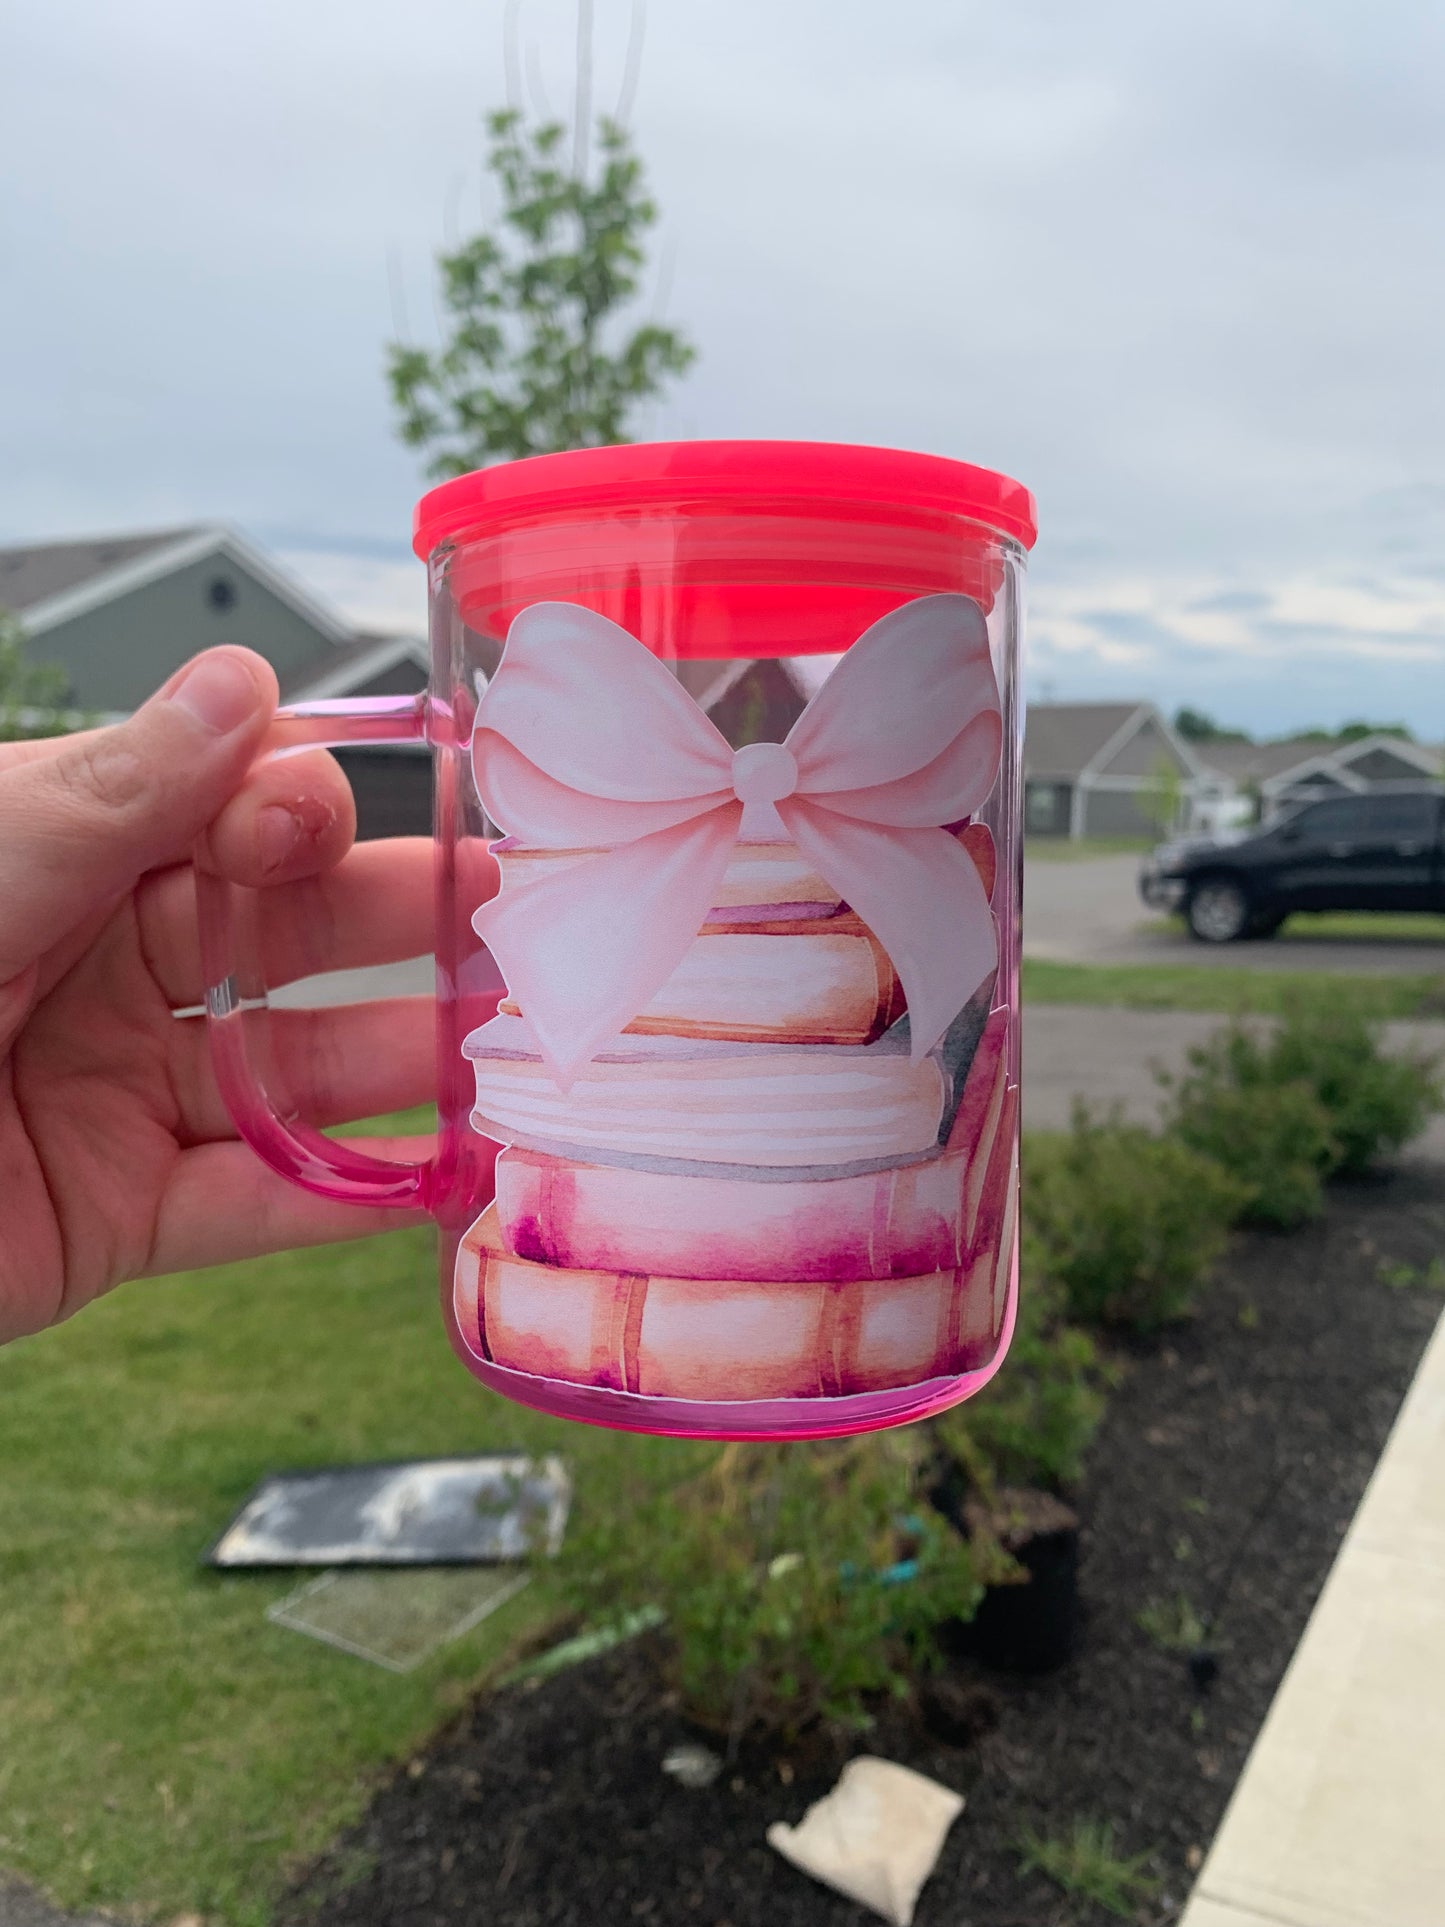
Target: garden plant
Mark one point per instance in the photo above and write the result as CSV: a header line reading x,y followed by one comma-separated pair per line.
x,y
1284,1109
1127,1224
797,1581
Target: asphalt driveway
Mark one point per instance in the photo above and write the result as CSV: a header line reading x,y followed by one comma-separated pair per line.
x,y
1091,913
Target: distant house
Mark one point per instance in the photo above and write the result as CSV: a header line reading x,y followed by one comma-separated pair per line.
x,y
1100,769
119,613
1302,769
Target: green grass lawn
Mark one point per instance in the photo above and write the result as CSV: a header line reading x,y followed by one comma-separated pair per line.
x,y
1214,987
1346,926
162,1745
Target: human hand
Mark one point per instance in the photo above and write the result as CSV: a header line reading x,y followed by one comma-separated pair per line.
x,y
117,1157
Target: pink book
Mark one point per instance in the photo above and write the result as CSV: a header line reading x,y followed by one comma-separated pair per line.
x,y
898,1223
697,1338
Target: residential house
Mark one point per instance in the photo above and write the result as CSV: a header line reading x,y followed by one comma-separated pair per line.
x,y
118,614
1106,769
1302,769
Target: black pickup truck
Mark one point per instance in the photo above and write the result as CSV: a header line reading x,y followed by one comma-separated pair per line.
x,y
1384,850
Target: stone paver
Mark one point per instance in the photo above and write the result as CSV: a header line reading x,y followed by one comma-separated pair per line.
x,y
1337,1819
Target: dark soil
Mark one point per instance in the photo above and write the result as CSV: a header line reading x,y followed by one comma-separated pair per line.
x,y
1232,1458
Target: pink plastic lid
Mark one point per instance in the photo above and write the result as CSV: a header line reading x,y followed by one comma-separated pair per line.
x,y
657,474
724,549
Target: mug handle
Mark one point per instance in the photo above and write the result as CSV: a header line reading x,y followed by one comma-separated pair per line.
x,y
236,997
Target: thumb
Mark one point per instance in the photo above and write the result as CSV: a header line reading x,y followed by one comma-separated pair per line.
x,y
80,826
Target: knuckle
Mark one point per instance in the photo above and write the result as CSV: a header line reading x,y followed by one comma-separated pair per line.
x,y
107,771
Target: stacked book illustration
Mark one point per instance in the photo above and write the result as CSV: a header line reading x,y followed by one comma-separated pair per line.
x,y
753,1191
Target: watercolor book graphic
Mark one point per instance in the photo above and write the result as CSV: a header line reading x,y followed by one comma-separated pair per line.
x,y
749,1077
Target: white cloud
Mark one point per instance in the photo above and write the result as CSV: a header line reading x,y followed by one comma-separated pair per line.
x,y
1275,653
370,592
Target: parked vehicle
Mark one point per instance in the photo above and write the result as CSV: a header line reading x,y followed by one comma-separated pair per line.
x,y
1383,850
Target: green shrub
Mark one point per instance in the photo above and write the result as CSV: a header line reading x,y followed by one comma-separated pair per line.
x,y
1375,1103
1273,1139
1032,1424
1317,1095
1127,1224
767,1569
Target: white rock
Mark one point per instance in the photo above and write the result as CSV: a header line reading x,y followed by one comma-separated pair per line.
x,y
692,1766
876,1837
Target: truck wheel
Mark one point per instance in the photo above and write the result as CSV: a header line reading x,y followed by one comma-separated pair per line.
x,y
1218,910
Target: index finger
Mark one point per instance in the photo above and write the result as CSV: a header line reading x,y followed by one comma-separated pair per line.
x,y
376,906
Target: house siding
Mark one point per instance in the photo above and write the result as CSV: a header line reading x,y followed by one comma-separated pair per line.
x,y
760,707
405,678
1046,808
1118,813
1142,754
1381,766
118,653
393,790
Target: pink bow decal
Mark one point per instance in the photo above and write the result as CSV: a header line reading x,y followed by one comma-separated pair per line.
x,y
584,740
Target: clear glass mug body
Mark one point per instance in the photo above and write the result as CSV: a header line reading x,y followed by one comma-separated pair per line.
x,y
617,1339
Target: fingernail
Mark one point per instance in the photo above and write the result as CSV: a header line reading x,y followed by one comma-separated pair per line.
x,y
219,691
276,834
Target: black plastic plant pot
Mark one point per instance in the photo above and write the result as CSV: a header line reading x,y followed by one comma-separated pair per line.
x,y
1031,1625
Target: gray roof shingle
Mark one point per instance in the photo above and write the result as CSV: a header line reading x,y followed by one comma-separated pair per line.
x,y
1252,762
33,574
1061,738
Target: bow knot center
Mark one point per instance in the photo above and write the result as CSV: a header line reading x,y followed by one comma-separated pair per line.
x,y
764,773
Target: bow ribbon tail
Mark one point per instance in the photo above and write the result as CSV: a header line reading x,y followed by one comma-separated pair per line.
x,y
583,952
920,895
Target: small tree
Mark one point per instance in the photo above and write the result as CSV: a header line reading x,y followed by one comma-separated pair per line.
x,y
1357,732
1197,727
1163,799
535,360
31,693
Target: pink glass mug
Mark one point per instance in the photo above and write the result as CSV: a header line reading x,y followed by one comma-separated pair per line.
x,y
728,1069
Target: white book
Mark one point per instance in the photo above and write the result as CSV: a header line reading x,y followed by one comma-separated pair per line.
x,y
749,1106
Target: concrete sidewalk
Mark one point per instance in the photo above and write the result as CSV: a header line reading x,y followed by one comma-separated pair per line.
x,y
1339,1817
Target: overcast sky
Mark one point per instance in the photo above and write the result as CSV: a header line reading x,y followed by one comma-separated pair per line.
x,y
1179,268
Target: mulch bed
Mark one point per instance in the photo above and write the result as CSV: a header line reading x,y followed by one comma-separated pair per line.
x,y
1232,1459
